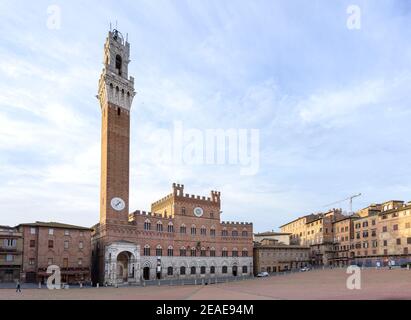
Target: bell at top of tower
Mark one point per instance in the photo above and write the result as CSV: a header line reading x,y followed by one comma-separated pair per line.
x,y
118,36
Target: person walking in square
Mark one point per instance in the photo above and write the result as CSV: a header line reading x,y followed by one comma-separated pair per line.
x,y
18,286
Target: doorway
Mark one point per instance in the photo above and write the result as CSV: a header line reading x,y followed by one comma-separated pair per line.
x,y
146,273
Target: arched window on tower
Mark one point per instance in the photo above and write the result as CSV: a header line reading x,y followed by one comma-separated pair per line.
x,y
119,63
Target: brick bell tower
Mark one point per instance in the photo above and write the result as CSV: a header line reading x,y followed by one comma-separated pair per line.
x,y
116,93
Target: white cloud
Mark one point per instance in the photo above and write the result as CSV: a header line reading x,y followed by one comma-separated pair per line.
x,y
331,108
210,65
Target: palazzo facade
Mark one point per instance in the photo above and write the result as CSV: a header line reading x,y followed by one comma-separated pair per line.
x,y
183,235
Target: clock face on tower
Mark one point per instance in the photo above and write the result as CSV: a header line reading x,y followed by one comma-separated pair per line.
x,y
118,204
198,212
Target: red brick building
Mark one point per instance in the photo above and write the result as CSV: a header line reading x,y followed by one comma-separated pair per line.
x,y
63,245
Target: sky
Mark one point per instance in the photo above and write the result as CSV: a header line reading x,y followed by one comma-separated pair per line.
x,y
331,104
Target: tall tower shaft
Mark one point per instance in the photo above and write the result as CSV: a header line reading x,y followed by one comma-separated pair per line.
x,y
116,93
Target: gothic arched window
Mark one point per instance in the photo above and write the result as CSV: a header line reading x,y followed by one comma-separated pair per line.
x,y
170,271
245,252
183,252
183,229
119,63
146,251
182,270
170,251
203,231
147,225
234,253
159,226
170,227
224,252
159,251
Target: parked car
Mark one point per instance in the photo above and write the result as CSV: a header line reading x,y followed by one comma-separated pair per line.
x,y
305,269
262,274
